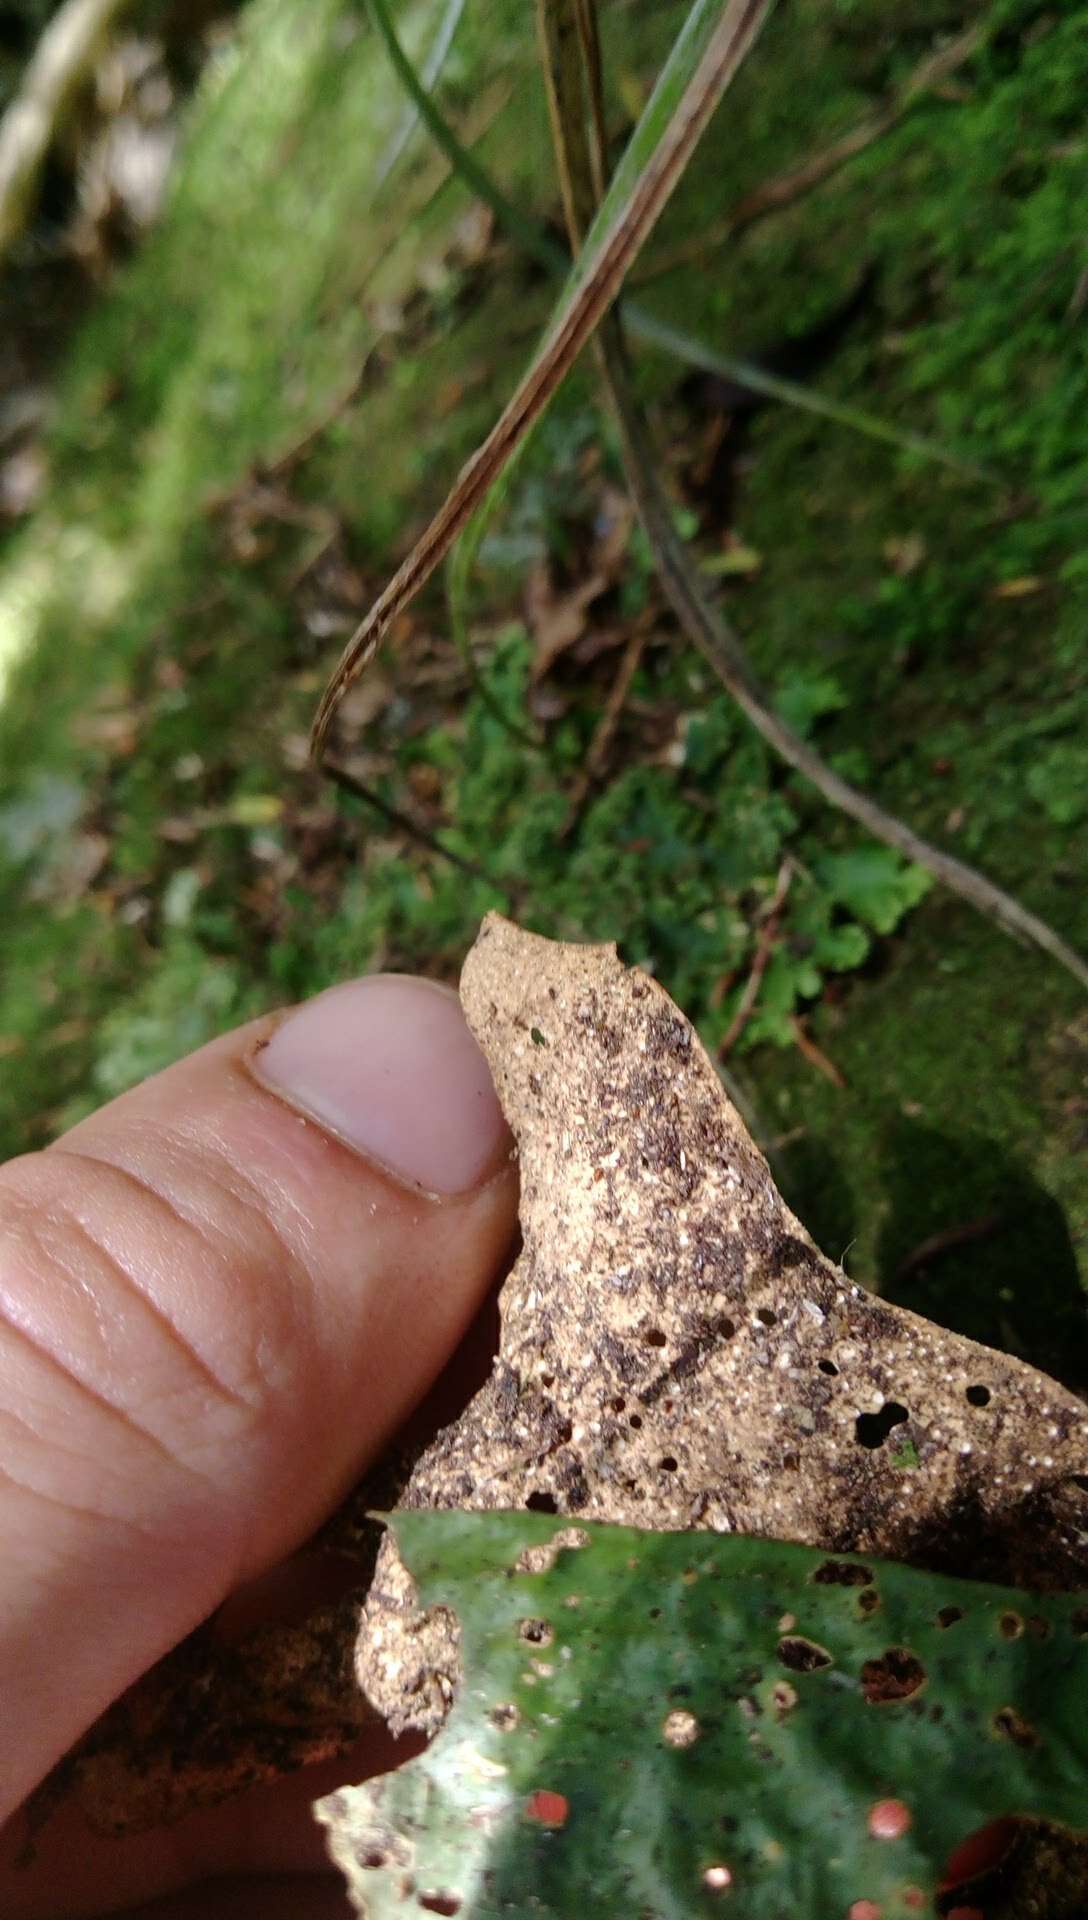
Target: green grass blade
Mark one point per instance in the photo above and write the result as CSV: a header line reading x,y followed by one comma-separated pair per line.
x,y
710,47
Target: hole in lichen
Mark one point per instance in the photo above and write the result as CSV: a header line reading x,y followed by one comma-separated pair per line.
x,y
1012,1726
724,1327
841,1573
537,1037
654,1337
537,1632
1010,1625
635,1421
896,1675
539,1502
828,1367
979,1396
668,1464
547,1379
948,1616
505,1716
801,1655
1079,1480
618,1405
791,1462
563,1432
766,1317
373,1857
439,1902
872,1429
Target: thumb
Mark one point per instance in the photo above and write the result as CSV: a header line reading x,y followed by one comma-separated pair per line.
x,y
218,1298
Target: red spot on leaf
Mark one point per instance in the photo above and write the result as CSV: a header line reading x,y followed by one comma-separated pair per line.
x,y
889,1819
547,1809
983,1849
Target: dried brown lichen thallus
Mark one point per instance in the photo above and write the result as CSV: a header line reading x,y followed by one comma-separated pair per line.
x,y
675,1351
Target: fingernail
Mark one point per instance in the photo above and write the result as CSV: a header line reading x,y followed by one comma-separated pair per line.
x,y
389,1065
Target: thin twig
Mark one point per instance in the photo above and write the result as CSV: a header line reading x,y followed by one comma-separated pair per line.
x,y
765,943
946,1241
348,783
719,645
63,58
604,730
787,187
806,1046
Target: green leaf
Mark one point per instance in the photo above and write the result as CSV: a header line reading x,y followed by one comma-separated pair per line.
x,y
649,1722
804,697
875,884
1058,780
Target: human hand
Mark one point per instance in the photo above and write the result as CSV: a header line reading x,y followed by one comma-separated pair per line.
x,y
219,1298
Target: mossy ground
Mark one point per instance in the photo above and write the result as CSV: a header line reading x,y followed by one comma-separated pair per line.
x,y
167,616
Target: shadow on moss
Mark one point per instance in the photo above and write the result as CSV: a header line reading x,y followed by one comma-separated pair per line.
x,y
973,1241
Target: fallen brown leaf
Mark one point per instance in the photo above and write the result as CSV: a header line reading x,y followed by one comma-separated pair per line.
x,y
674,1353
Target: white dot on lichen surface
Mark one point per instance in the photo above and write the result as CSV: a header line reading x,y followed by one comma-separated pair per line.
x,y
680,1729
717,1879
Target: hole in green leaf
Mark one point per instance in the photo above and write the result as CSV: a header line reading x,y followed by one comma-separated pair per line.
x,y
948,1616
872,1429
1011,1725
801,1655
842,1573
1010,1625
896,1675
537,1632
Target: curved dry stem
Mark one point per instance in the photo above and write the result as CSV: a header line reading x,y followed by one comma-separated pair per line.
x,y
62,60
